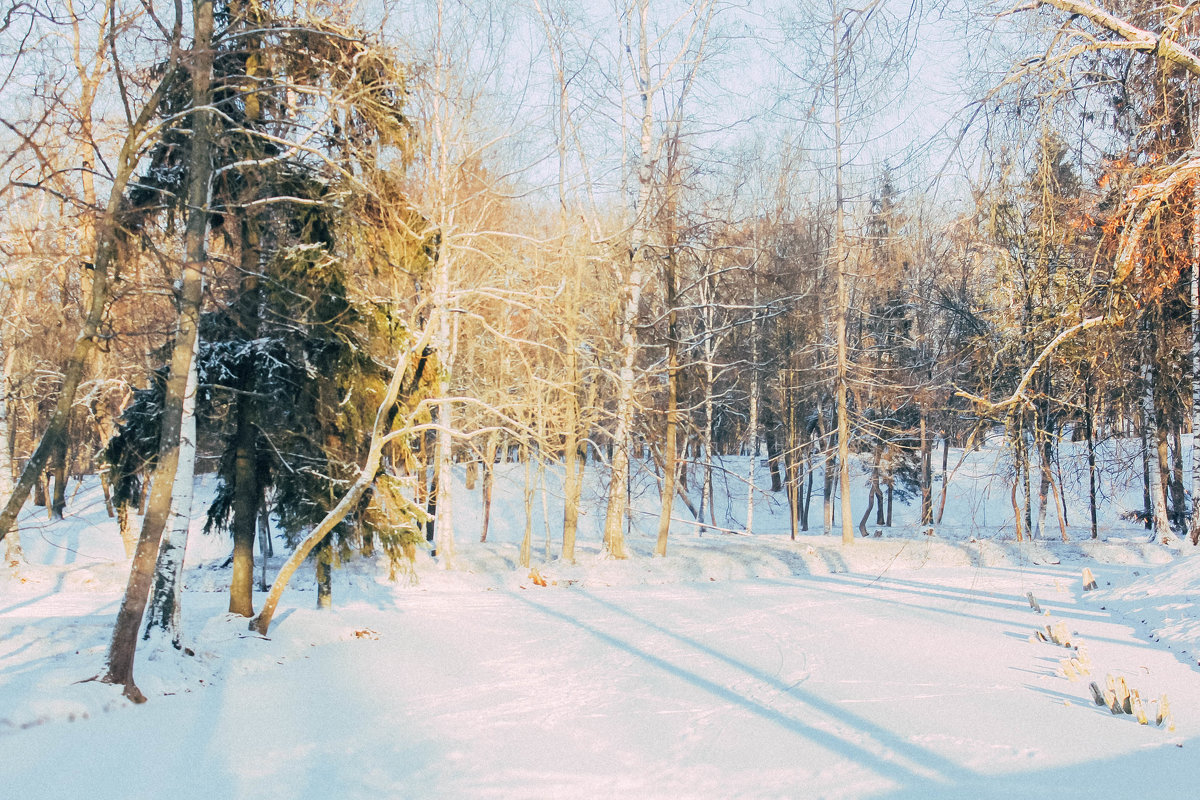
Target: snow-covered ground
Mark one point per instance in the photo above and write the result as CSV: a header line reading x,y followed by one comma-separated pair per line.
x,y
901,666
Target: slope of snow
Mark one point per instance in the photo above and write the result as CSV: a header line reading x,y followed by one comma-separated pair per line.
x,y
738,666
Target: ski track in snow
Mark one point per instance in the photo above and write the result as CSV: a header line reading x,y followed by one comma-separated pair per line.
x,y
736,667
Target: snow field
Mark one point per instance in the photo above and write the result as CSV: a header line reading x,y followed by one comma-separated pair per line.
x,y
739,666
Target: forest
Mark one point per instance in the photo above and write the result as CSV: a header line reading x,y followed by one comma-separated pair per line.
x,y
333,255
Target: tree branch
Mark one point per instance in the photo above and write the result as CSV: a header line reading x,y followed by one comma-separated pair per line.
x,y
1138,38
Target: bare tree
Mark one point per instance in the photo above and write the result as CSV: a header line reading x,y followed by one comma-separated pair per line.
x,y
107,227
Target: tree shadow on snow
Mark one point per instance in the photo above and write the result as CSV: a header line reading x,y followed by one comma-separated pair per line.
x,y
912,766
1163,771
934,592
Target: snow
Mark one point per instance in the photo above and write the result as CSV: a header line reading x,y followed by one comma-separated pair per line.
x,y
903,666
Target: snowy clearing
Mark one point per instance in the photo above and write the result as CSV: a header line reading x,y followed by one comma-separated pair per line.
x,y
739,666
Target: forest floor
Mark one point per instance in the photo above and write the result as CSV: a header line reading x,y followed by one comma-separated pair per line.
x,y
902,666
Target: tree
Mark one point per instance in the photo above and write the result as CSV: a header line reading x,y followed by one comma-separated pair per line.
x,y
383,432
1165,131
106,253
119,663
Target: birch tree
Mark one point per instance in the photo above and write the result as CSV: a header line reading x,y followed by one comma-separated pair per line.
x,y
119,663
648,78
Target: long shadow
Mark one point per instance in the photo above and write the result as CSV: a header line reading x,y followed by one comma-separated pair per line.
x,y
58,587
1163,771
19,667
834,561
944,769
977,596
846,581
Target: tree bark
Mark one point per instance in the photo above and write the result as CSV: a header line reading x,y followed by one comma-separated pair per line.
x,y
926,473
753,422
527,537
709,347
13,555
1089,425
791,458
862,522
843,299
1195,342
162,617
1162,530
1013,425
489,479
247,494
1147,503
1178,500
58,478
324,572
119,666
671,445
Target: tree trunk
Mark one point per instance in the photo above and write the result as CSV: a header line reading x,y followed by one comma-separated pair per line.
x,y
545,495
58,478
1178,501
862,523
791,460
162,617
1025,477
575,462
827,474
265,548
1089,425
489,479
246,496
843,296
1162,530
1043,446
1163,458
247,493
630,299
1147,504
1058,506
106,489
807,504
753,424
13,555
872,494
671,445
1017,440
445,459
945,477
706,490
527,537
128,536
431,508
119,666
1195,342
1056,454
775,461
324,572
926,474
876,473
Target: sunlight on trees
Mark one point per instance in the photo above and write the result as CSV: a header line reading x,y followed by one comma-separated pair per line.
x,y
396,245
